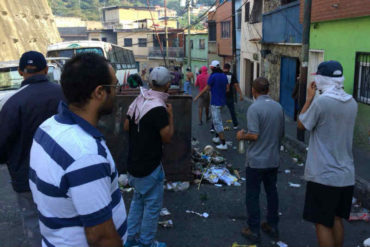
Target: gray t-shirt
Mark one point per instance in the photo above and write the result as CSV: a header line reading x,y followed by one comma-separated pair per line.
x,y
331,123
265,118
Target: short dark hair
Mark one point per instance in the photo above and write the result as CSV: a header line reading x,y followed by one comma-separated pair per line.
x,y
227,66
261,85
82,74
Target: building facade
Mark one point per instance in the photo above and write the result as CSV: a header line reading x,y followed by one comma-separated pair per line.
x,y
340,32
199,51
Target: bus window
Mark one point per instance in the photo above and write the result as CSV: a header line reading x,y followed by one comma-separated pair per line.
x,y
132,60
126,58
61,53
111,56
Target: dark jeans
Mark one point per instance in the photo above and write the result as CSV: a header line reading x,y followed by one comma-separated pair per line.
x,y
231,106
254,177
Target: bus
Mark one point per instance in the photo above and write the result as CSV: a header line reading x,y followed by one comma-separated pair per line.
x,y
122,60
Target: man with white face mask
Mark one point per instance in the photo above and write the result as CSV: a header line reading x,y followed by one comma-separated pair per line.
x,y
330,118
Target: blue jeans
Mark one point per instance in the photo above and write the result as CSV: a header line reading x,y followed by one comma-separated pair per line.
x,y
254,177
145,206
231,105
217,118
187,88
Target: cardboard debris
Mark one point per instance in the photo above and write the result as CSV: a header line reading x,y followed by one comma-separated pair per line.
x,y
294,185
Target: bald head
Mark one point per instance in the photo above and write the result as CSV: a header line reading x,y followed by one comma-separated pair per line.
x,y
261,85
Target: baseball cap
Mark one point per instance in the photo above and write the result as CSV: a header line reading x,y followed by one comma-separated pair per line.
x,y
160,75
330,69
32,58
214,63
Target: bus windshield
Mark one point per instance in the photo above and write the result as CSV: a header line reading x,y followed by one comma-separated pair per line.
x,y
71,52
10,79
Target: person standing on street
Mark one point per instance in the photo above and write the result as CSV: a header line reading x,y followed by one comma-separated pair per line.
x,y
232,87
73,178
150,125
189,81
21,113
330,174
217,83
265,133
204,100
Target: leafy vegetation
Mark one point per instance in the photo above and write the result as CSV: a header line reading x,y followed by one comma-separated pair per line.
x,y
89,9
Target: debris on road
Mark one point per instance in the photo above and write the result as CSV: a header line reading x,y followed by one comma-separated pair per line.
x,y
194,142
218,185
177,186
294,185
227,128
214,174
367,243
123,180
229,143
164,212
281,244
229,121
287,171
300,164
242,245
208,150
281,148
204,215
358,212
166,223
295,160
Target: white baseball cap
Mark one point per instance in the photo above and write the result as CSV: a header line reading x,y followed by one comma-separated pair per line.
x,y
160,75
214,63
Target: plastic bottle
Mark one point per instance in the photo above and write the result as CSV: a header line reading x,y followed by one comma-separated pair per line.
x,y
241,147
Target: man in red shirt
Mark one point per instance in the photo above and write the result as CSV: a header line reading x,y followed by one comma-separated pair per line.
x,y
204,100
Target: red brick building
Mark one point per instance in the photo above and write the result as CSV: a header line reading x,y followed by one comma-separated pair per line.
x,y
220,33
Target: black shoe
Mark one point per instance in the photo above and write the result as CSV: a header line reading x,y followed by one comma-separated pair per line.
x,y
273,232
254,237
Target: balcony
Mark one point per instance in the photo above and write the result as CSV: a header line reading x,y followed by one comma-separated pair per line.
x,y
282,25
173,53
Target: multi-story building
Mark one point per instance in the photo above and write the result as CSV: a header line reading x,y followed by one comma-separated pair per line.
x,y
250,47
340,31
199,50
74,28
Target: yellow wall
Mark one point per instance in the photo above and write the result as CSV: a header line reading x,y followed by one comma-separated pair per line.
x,y
132,14
138,51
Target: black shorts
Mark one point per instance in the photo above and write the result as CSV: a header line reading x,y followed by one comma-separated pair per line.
x,y
324,202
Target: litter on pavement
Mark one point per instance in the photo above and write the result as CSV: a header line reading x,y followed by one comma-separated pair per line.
x,y
164,212
166,223
177,186
367,243
204,215
300,164
242,245
294,185
287,171
358,212
281,244
295,160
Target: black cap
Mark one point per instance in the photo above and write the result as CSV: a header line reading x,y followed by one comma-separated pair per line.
x,y
330,69
32,58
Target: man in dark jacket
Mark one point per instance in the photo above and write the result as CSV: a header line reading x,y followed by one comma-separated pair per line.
x,y
21,113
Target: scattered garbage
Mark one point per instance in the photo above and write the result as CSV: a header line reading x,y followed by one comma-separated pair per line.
x,y
229,143
367,243
243,179
294,185
295,160
287,171
208,150
177,186
218,159
164,212
166,223
358,212
235,148
359,216
281,244
243,245
123,179
300,164
218,185
280,213
281,148
194,142
229,121
236,173
241,146
227,128
237,184
214,174
204,215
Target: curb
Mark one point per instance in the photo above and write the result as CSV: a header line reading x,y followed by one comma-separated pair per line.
x,y
362,187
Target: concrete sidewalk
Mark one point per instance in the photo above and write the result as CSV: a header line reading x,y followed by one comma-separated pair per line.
x,y
361,156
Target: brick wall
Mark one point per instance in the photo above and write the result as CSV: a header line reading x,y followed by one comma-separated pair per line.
x,y
326,10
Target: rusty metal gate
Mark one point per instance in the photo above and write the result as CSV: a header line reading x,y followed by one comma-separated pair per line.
x,y
176,155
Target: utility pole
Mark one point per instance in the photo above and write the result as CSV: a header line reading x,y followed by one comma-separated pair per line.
x,y
233,23
166,28
188,41
304,64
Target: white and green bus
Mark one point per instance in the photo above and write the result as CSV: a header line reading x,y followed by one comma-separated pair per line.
x,y
122,60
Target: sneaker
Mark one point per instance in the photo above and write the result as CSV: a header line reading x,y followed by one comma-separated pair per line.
x,y
131,243
271,231
154,244
216,140
254,237
212,130
222,146
235,127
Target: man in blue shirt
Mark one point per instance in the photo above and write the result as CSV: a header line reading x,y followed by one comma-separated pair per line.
x,y
217,84
21,113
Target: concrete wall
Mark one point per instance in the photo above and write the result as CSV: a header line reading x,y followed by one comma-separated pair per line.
x,y
353,35
135,36
271,65
25,25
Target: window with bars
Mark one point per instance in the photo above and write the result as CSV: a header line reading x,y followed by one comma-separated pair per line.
x,y
212,31
256,15
362,78
127,42
142,42
225,29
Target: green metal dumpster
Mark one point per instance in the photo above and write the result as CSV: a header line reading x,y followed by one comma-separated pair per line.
x,y
176,156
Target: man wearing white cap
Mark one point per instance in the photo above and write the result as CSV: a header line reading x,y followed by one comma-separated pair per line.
x,y
217,83
330,173
150,124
